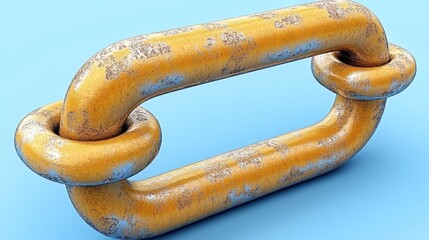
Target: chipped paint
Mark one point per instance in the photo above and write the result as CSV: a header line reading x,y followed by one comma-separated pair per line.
x,y
233,38
306,47
185,199
149,50
138,115
279,56
118,227
265,15
246,157
214,26
397,86
291,20
365,83
53,152
52,148
287,54
332,9
371,29
55,176
93,118
293,176
31,129
165,83
211,41
158,54
123,171
136,48
236,198
330,141
280,147
240,45
324,165
217,171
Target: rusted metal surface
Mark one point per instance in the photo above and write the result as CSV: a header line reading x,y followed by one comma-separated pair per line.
x,y
98,136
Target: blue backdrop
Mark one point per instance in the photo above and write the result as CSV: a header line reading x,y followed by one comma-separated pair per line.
x,y
382,193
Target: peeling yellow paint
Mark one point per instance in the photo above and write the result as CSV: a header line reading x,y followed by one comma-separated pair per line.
x,y
99,137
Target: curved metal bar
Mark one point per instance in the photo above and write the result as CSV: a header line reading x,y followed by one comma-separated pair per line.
x,y
117,79
177,198
121,76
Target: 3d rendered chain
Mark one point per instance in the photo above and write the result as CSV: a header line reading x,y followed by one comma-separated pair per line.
x,y
99,136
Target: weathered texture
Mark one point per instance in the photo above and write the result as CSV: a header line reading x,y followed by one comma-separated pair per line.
x,y
229,47
101,105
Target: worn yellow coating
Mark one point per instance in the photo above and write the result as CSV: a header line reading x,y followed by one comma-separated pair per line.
x,y
121,76
86,162
185,195
366,83
104,137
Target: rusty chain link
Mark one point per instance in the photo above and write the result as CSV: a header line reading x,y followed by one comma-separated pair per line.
x,y
99,136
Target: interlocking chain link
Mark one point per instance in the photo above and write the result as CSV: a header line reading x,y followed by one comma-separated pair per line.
x,y
98,136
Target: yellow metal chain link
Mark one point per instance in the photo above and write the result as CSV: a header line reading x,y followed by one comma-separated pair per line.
x,y
98,136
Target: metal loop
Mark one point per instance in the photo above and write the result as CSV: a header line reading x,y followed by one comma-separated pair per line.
x,y
153,206
86,162
136,69
365,83
107,88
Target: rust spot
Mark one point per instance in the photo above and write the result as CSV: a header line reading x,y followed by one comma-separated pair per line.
x,y
240,47
265,15
398,66
365,84
158,200
185,200
379,112
139,51
233,38
371,29
118,227
31,128
214,26
329,141
291,20
358,8
332,9
42,112
343,111
114,67
246,157
282,149
98,57
235,197
292,176
338,155
217,171
138,115
149,50
71,118
52,148
84,129
211,41
336,12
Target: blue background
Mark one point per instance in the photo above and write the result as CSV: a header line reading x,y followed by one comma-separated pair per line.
x,y
382,193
